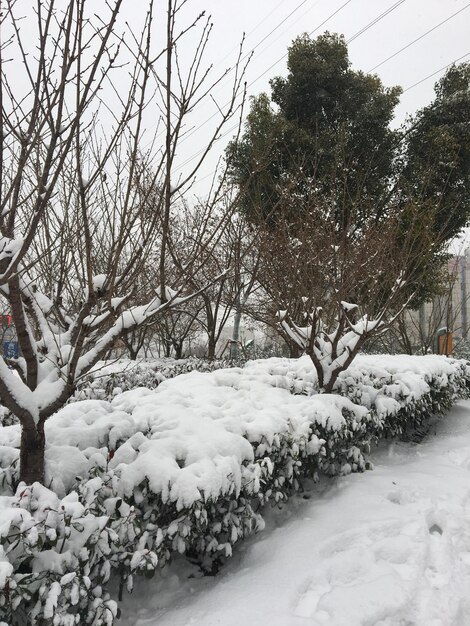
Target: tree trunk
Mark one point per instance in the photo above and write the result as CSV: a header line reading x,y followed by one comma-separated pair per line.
x,y
132,353
294,351
211,345
328,388
178,348
32,455
236,331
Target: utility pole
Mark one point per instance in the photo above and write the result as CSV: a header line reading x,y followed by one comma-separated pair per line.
x,y
463,294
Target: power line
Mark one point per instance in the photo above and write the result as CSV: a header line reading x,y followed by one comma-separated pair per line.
x,y
419,38
310,34
249,33
243,58
355,36
375,21
299,6
436,72
216,113
294,22
191,158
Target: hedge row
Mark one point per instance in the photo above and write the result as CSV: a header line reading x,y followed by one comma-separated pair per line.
x,y
185,468
106,382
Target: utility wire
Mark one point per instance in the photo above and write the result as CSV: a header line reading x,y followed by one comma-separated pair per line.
x,y
285,30
444,67
250,33
419,38
299,6
216,113
191,158
375,21
230,130
355,36
243,58
310,34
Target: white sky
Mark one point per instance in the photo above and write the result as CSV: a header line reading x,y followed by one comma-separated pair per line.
x,y
257,18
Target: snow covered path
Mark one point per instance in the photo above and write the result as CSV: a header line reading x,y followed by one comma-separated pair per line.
x,y
387,548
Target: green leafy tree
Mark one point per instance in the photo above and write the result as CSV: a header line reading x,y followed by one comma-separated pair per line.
x,y
325,127
437,155
434,175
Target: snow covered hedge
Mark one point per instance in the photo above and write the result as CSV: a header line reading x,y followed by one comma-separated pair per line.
x,y
184,468
108,379
105,381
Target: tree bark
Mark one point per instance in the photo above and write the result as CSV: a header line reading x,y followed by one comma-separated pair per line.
x,y
294,351
236,330
211,345
32,454
178,348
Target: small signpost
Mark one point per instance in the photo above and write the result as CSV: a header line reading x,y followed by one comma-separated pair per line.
x,y
11,350
443,341
6,320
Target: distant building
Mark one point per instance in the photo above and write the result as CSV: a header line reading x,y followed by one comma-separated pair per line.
x,y
450,310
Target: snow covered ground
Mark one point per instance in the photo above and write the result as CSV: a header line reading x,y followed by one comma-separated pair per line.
x,y
389,547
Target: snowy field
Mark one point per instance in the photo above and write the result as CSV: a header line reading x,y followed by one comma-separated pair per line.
x,y
389,547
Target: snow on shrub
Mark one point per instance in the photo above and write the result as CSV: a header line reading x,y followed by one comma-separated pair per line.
x,y
106,380
184,469
400,391
57,555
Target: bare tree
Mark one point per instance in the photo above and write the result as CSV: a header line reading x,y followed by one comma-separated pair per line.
x,y
76,229
233,251
415,331
336,285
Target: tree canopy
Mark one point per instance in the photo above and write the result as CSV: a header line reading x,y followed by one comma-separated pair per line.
x,y
436,173
326,126
324,137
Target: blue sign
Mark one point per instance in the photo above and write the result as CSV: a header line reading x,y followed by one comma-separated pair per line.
x,y
11,350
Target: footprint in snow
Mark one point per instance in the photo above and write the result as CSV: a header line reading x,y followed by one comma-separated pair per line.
x,y
436,522
436,579
309,600
396,497
402,496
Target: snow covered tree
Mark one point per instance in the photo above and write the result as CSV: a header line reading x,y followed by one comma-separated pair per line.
x,y
76,228
333,287
323,138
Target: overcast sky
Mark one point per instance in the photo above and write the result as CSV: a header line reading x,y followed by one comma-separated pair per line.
x,y
271,25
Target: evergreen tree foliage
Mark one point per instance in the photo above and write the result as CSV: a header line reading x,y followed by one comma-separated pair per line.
x,y
437,156
325,127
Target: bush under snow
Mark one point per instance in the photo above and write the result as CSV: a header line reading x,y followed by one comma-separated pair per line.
x,y
185,467
108,379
